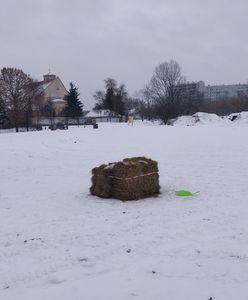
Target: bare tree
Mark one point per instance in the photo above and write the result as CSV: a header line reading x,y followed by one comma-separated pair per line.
x,y
48,111
100,99
15,91
141,108
147,98
143,103
32,99
2,106
164,92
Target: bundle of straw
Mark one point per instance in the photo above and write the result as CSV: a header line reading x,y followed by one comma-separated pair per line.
x,y
131,179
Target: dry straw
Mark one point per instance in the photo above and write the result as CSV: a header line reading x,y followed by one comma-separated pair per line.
x,y
131,179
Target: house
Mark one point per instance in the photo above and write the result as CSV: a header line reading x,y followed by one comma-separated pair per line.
x,y
53,93
53,90
102,115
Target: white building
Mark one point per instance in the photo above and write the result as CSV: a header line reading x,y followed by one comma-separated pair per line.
x,y
215,92
194,89
103,115
53,90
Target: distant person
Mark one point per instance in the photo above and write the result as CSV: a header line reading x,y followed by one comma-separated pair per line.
x,y
130,120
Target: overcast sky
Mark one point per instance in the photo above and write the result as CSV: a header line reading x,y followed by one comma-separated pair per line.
x,y
85,41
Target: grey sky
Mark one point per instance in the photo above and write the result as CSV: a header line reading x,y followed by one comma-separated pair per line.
x,y
85,41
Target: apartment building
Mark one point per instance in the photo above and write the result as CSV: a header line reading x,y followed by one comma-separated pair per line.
x,y
214,92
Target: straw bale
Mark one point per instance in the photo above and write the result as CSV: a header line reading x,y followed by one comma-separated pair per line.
x,y
131,179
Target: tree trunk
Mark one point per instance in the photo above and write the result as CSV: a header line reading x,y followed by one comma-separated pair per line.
x,y
27,121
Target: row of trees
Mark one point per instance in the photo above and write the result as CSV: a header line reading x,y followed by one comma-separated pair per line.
x,y
223,106
22,98
163,97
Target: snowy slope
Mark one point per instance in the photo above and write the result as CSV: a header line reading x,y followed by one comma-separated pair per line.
x,y
58,242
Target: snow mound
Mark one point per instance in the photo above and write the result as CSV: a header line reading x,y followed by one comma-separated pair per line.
x,y
239,118
199,118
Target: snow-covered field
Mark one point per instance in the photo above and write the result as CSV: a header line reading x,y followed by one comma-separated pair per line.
x,y
58,242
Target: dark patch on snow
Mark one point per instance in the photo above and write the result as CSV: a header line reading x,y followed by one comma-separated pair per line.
x,y
33,239
83,259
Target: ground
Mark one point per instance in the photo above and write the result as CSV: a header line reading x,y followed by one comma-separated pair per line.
x,y
58,242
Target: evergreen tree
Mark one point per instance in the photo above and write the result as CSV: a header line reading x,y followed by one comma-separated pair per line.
x,y
74,107
110,85
114,98
119,100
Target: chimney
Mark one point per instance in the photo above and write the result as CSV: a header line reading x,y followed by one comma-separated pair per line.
x,y
49,77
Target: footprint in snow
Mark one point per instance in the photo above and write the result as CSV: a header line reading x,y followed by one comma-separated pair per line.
x,y
83,259
7,244
85,262
55,280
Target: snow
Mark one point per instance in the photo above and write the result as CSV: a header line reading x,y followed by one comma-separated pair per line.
x,y
58,101
99,113
7,130
200,118
92,114
58,242
150,123
241,118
